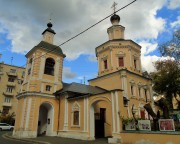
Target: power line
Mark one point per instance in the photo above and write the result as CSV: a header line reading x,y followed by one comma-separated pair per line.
x,y
84,31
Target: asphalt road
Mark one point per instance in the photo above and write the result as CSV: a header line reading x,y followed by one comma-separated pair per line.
x,y
50,140
4,140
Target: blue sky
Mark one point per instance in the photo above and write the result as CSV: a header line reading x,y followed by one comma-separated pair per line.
x,y
149,23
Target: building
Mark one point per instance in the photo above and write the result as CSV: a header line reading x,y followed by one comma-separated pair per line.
x,y
11,78
48,106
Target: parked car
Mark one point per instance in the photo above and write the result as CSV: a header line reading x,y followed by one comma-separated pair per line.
x,y
5,126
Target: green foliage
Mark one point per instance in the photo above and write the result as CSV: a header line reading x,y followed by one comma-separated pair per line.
x,y
172,47
128,120
177,126
9,119
166,79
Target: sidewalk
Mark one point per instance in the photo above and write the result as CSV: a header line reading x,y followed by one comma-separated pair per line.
x,y
56,140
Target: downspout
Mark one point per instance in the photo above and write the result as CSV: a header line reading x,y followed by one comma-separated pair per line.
x,y
58,115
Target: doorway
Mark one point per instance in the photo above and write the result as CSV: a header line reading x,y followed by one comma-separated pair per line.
x,y
99,123
45,120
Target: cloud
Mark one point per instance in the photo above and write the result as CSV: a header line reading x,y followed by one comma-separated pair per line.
x,y
92,58
25,20
176,23
173,4
147,47
68,74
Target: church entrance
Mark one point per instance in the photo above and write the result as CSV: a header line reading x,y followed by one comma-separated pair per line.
x,y
45,120
100,124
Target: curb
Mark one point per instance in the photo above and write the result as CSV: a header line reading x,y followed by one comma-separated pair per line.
x,y
24,140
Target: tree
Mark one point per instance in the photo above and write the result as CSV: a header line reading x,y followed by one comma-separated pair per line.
x,y
172,47
166,79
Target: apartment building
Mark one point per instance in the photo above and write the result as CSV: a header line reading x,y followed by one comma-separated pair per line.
x,y
11,78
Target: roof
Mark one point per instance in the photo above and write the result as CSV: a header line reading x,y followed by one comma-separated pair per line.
x,y
49,30
81,89
118,40
48,47
118,72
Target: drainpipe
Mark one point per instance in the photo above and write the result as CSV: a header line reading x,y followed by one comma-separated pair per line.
x,y
58,114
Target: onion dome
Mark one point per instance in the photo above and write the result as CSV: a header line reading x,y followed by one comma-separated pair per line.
x,y
49,25
115,18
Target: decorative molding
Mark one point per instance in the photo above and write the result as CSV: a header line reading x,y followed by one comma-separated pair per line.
x,y
27,94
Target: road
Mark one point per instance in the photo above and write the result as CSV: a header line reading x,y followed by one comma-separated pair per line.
x,y
4,140
51,140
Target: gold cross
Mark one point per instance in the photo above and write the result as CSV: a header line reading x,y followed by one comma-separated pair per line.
x,y
114,7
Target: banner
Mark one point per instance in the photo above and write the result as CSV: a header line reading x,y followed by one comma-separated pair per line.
x,y
144,125
166,125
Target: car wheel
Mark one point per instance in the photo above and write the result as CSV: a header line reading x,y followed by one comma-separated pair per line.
x,y
11,129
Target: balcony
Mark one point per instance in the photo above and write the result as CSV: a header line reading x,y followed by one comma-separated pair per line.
x,y
12,73
7,104
11,84
8,93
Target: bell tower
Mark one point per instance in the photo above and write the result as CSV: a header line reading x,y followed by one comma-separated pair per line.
x,y
44,65
37,104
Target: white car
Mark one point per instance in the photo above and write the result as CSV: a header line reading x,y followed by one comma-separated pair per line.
x,y
5,126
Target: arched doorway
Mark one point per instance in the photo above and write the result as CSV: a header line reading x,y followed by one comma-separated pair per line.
x,y
46,119
100,119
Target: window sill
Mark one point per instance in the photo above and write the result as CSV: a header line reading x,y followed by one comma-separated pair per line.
x,y
75,126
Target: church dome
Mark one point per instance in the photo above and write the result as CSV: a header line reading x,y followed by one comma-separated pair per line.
x,y
115,18
49,25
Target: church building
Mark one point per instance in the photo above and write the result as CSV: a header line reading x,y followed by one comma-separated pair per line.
x,y
48,106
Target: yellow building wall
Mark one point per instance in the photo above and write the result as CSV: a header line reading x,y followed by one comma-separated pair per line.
x,y
132,138
18,77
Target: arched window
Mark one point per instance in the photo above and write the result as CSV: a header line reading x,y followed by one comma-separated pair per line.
x,y
49,66
75,114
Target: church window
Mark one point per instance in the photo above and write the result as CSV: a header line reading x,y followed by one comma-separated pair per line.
x,y
76,114
132,90
49,66
145,93
121,62
76,118
105,64
139,91
48,88
135,63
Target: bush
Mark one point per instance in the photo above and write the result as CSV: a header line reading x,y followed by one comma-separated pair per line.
x,y
9,119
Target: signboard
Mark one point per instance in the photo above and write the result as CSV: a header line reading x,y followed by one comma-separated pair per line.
x,y
166,125
144,125
130,126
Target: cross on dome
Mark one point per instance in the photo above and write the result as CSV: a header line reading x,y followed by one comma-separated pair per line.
x,y
114,7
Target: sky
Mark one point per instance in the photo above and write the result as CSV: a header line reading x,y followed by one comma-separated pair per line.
x,y
147,22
